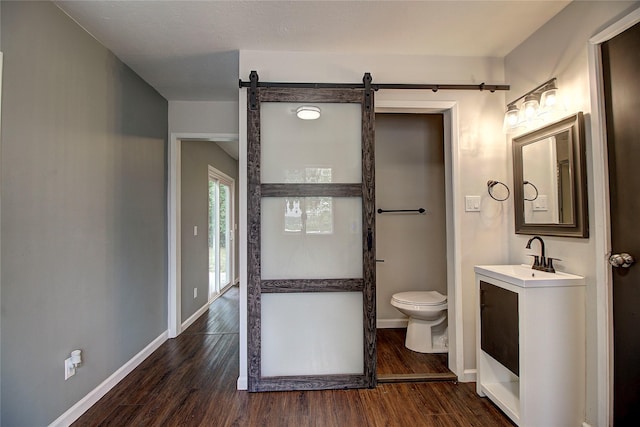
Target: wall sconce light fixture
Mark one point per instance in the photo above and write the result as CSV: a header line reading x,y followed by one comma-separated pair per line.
x,y
308,112
535,104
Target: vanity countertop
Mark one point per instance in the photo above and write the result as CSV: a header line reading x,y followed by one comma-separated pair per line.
x,y
525,277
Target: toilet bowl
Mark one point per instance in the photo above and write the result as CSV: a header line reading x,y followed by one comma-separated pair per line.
x,y
427,328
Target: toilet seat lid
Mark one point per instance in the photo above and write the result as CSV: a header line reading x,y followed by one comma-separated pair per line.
x,y
420,298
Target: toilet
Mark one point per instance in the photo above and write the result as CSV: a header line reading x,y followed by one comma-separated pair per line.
x,y
427,328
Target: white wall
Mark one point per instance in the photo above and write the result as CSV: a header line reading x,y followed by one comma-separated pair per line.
x,y
559,49
481,153
539,169
203,117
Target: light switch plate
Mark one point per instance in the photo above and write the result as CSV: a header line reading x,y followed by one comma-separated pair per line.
x,y
472,203
541,203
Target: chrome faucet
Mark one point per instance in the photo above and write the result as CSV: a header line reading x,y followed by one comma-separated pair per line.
x,y
540,262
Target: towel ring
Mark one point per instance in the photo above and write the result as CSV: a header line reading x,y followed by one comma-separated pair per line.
x,y
534,187
491,183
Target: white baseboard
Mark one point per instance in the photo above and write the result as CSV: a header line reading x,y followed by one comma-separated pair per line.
x,y
242,383
202,309
225,289
199,312
586,424
391,323
468,376
96,394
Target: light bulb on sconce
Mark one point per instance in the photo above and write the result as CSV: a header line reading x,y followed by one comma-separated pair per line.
x,y
551,101
530,106
549,98
511,118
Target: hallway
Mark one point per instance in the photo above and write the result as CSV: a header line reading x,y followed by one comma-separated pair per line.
x,y
191,381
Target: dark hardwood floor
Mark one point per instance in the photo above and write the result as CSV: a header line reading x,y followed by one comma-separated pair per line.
x,y
191,381
395,358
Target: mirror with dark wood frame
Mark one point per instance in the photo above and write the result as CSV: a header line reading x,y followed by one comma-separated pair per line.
x,y
550,191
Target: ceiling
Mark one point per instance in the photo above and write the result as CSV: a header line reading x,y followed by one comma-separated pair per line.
x,y
188,50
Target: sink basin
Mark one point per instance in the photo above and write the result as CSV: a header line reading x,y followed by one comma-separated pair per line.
x,y
525,277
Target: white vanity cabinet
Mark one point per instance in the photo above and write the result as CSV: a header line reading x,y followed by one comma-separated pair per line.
x,y
530,340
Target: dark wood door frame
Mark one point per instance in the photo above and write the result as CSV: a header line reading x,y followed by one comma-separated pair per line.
x,y
603,274
256,286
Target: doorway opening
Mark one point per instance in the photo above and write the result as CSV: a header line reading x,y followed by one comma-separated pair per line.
x,y
220,231
411,243
177,293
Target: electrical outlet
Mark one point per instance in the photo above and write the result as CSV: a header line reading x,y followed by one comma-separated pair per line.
x,y
69,369
195,293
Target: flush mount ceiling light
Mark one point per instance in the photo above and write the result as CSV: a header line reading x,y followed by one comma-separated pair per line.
x,y
308,112
535,104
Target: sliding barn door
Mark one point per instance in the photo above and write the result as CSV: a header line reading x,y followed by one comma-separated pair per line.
x,y
311,252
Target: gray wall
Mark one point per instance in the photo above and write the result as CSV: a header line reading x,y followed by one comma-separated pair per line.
x,y
84,248
410,174
195,158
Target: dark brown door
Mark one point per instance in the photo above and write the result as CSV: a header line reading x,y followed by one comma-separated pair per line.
x,y
621,65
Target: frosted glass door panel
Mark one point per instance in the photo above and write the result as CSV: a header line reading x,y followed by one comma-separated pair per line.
x,y
311,238
316,333
326,150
